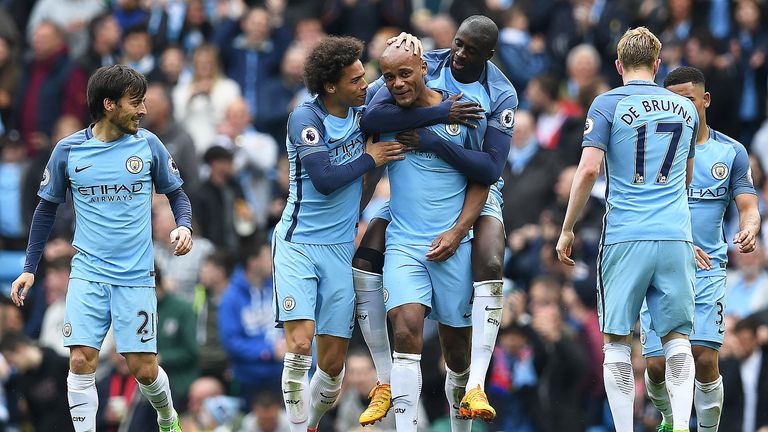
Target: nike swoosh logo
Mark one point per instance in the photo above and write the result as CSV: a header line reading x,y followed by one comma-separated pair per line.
x,y
720,331
708,427
488,308
467,315
146,340
291,391
78,169
330,396
331,141
362,303
78,405
397,397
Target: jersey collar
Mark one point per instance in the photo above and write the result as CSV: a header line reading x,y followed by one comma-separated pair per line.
x,y
642,82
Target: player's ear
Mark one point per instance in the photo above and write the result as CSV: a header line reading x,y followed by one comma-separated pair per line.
x,y
490,55
619,68
656,65
329,88
108,104
707,99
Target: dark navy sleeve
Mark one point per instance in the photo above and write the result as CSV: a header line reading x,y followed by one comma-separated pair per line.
x,y
42,224
597,130
181,207
383,115
165,173
741,175
327,178
55,181
480,166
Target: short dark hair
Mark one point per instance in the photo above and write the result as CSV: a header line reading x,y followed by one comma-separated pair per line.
x,y
549,84
685,74
267,398
327,60
13,341
750,323
485,28
223,260
113,82
217,153
60,263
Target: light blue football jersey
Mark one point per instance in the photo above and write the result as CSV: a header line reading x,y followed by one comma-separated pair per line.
x,y
721,173
111,185
427,193
311,217
492,91
648,133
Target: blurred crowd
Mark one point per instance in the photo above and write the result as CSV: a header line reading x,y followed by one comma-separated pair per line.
x,y
224,76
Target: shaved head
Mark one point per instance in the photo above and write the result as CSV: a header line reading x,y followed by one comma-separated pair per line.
x,y
398,56
484,28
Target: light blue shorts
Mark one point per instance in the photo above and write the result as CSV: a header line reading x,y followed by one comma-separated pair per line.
x,y
708,324
661,273
445,288
93,306
314,282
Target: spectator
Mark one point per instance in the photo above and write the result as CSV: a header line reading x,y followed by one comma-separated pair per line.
x,y
173,66
582,68
542,95
252,59
118,396
308,32
214,280
51,86
177,348
360,19
267,414
10,74
104,43
201,389
129,13
219,204
72,16
181,272
255,157
179,23
56,281
522,54
159,119
748,46
442,28
41,375
247,328
375,49
200,104
13,164
137,53
284,93
745,381
747,286
528,176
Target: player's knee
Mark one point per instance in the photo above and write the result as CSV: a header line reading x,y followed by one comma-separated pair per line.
x,y
80,362
145,373
406,340
490,268
706,362
457,360
655,368
300,345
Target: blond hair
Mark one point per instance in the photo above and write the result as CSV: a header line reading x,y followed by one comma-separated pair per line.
x,y
638,47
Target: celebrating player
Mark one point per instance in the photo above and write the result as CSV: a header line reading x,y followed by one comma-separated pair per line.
x,y
721,174
110,169
314,241
428,199
647,136
465,69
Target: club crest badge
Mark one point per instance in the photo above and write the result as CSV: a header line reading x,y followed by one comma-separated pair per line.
x,y
289,303
719,171
453,129
134,164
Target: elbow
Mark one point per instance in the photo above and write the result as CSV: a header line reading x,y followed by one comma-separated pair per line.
x,y
590,172
324,188
486,178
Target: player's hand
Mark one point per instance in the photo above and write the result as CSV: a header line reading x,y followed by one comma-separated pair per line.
x,y
408,42
20,287
384,152
445,245
409,139
703,261
564,245
464,112
182,237
746,240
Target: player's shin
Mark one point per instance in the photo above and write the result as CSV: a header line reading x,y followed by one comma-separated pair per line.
x,y
295,384
372,318
486,318
679,375
324,391
83,401
159,395
708,401
619,384
455,386
406,390
657,393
